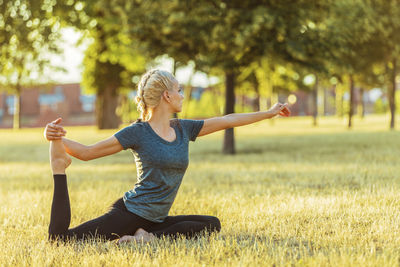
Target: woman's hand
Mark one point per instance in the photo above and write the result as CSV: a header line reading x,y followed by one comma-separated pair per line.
x,y
280,109
54,131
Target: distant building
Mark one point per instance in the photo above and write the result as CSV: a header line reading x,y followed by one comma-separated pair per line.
x,y
41,104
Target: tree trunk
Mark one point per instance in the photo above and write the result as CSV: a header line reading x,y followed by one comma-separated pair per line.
x,y
188,98
229,138
392,97
324,102
351,104
315,102
339,100
174,67
361,104
107,81
17,109
256,105
106,104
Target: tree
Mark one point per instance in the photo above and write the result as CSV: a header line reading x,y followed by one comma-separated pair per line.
x,y
27,31
226,35
109,68
112,59
355,48
386,15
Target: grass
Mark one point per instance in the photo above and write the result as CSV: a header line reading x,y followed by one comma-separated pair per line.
x,y
292,195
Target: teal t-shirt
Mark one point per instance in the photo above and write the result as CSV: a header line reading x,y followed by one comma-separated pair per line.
x,y
160,166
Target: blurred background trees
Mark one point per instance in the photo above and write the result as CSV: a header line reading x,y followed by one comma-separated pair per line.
x,y
28,30
263,49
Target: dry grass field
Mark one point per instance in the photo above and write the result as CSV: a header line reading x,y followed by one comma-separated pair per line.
x,y
293,195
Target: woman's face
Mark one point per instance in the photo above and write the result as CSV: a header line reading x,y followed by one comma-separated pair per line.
x,y
176,97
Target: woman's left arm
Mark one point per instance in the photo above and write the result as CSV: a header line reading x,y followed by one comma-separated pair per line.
x,y
239,119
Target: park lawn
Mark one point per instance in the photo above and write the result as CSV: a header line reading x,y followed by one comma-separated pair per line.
x,y
292,195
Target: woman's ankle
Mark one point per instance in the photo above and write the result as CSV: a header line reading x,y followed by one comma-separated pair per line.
x,y
58,166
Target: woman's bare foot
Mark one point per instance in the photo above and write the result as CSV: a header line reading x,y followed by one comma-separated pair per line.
x,y
141,235
144,235
59,159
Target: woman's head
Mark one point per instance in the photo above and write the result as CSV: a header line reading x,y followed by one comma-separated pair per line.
x,y
155,86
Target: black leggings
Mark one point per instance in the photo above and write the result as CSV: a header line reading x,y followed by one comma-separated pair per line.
x,y
118,221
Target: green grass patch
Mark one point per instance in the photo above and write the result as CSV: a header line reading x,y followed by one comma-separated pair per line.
x,y
292,195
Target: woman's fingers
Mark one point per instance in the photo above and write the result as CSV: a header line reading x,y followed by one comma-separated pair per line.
x,y
56,131
282,109
285,108
283,114
286,111
55,134
55,127
53,137
57,121
286,114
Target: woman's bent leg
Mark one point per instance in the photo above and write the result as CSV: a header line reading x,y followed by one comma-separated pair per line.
x,y
117,222
187,225
112,225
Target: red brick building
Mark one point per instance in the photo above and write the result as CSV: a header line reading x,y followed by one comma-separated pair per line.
x,y
42,104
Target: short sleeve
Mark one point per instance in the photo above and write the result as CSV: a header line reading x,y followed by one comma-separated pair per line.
x,y
128,136
192,128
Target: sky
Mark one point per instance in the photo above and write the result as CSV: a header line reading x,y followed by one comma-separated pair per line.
x,y
73,56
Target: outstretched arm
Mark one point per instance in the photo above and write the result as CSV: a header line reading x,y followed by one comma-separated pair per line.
x,y
103,148
239,119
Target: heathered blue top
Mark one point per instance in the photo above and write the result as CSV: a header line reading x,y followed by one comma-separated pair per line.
x,y
160,166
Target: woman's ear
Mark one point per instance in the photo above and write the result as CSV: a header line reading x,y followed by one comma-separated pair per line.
x,y
166,96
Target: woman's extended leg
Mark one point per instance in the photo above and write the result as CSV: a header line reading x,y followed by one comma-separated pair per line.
x,y
187,225
117,222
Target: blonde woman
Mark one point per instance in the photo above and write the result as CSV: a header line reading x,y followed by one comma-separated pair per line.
x,y
160,147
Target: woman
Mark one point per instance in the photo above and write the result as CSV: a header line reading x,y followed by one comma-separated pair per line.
x,y
160,148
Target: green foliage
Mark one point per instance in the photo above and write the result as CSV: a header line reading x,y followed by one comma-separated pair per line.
x,y
381,106
209,105
127,110
112,59
28,30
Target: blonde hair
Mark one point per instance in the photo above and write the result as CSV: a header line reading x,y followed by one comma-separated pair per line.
x,y
150,89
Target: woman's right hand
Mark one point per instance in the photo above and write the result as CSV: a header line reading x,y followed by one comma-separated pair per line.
x,y
280,109
54,131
